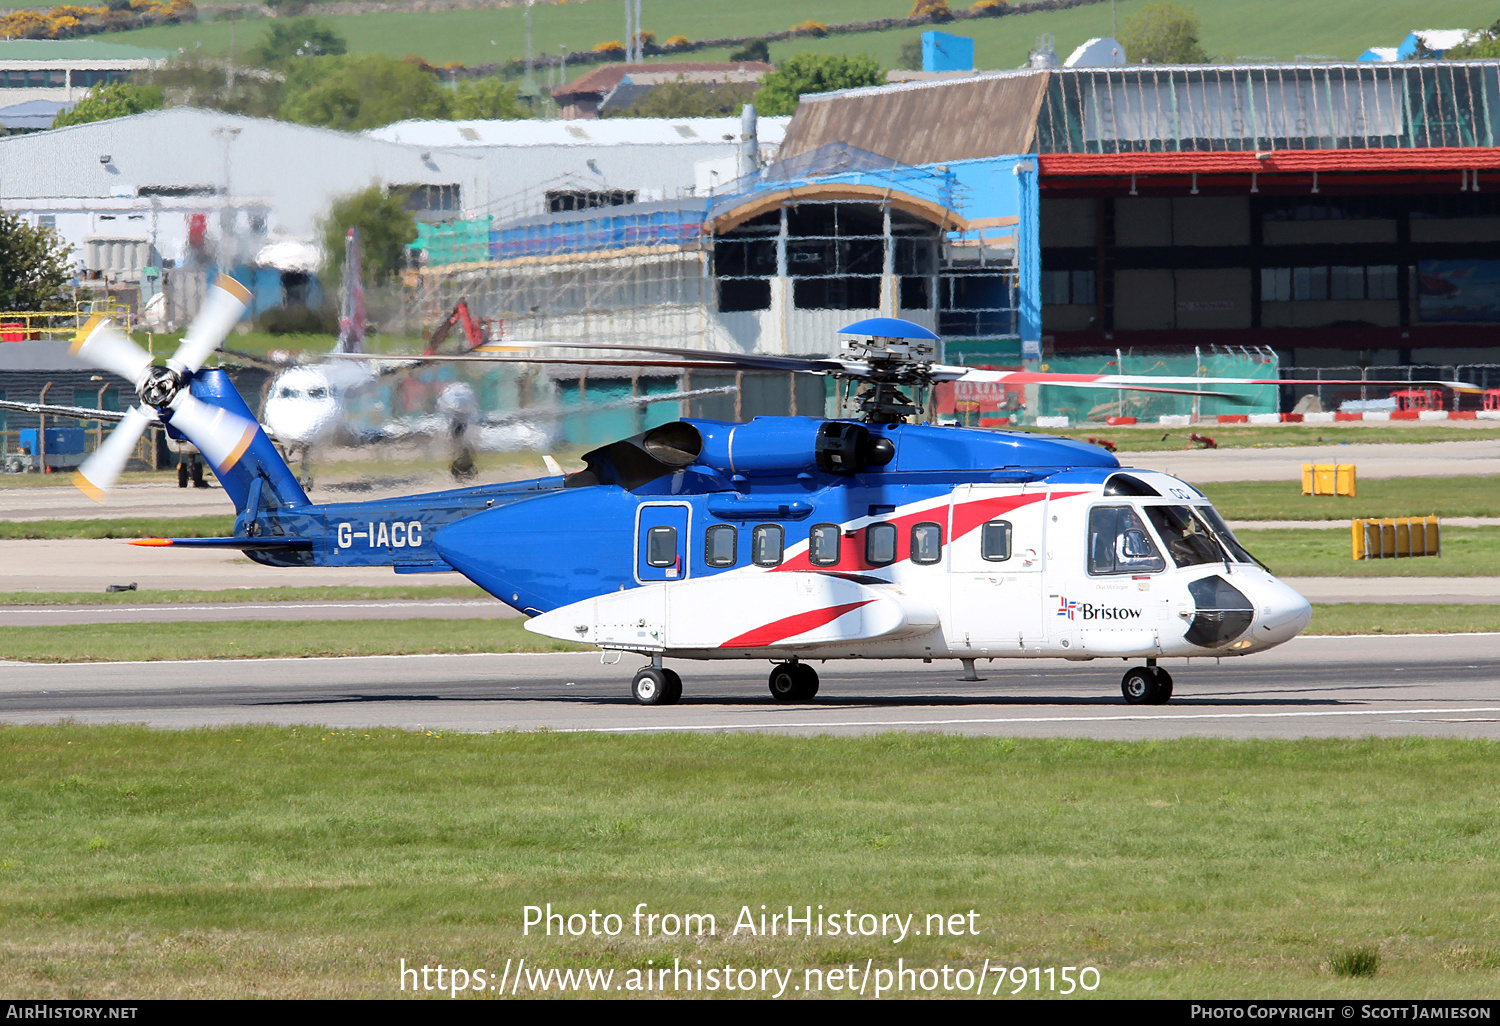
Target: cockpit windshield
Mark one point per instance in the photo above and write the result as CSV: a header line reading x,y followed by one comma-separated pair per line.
x,y
1238,551
1188,539
1195,535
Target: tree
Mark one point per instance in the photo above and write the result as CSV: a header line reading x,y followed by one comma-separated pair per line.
x,y
683,99
1481,44
355,93
481,99
116,100
1163,33
814,73
911,54
36,266
305,37
386,228
754,50
192,80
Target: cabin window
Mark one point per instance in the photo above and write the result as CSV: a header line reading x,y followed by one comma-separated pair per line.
x,y
661,546
1187,538
1119,543
719,545
926,543
766,545
994,541
823,545
880,544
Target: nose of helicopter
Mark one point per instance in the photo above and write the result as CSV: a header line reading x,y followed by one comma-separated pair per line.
x,y
1281,613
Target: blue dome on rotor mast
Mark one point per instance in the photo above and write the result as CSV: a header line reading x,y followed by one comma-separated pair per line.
x,y
888,327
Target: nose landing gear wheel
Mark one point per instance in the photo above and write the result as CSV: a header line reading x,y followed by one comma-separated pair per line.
x,y
793,682
1146,685
656,686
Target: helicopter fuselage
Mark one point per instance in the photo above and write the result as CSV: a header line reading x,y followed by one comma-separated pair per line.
x,y
964,544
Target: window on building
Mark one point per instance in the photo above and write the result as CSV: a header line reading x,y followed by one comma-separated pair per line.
x,y
1299,284
561,200
430,199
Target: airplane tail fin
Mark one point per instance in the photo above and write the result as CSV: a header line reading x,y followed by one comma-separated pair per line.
x,y
257,476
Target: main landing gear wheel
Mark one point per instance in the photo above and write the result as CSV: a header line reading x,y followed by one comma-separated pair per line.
x,y
794,682
1146,685
656,686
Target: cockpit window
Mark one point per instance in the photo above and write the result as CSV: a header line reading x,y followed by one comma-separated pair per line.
x,y
1119,543
287,392
1186,536
1238,551
317,392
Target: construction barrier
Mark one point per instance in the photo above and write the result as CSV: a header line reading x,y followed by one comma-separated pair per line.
x,y
1393,537
1328,479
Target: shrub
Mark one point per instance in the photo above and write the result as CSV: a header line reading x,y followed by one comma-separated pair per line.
x,y
1356,962
810,28
985,8
613,50
931,10
677,42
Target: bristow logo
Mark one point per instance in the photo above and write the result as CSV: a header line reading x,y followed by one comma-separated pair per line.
x,y
1089,611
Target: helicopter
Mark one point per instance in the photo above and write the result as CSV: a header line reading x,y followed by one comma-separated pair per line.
x,y
786,539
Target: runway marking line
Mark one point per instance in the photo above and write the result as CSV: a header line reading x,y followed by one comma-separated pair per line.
x,y
1020,719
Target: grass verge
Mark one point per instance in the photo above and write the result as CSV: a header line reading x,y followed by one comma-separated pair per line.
x,y
296,639
1377,497
299,862
258,639
1315,552
1160,439
329,594
131,527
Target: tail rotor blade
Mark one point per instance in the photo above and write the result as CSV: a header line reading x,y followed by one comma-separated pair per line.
x,y
100,471
222,437
102,345
220,312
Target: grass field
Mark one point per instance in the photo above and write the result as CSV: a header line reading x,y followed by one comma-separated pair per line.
x,y
275,862
1157,439
1296,552
298,639
328,594
1273,28
1375,497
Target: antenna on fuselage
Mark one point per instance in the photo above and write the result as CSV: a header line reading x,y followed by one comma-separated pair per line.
x,y
896,354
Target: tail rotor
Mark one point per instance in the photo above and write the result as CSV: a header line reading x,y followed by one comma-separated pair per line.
x,y
221,436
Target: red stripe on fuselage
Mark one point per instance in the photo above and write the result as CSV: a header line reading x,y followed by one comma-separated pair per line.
x,y
967,516
791,626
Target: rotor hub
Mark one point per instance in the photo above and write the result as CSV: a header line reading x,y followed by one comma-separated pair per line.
x,y
161,387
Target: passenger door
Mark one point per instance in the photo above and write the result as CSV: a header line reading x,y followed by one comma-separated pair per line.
x,y
996,557
661,542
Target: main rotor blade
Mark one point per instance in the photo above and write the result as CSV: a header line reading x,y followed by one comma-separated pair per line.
x,y
74,412
100,471
222,437
103,346
815,365
221,311
1128,381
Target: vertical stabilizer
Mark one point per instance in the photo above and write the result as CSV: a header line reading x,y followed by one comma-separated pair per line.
x,y
258,460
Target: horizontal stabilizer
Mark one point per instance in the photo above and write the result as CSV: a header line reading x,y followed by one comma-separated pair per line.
x,y
246,544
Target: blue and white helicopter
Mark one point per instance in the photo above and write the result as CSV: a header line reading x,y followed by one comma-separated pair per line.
x,y
789,539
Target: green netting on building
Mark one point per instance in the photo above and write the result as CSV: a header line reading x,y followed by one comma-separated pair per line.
x,y
1093,404
454,242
